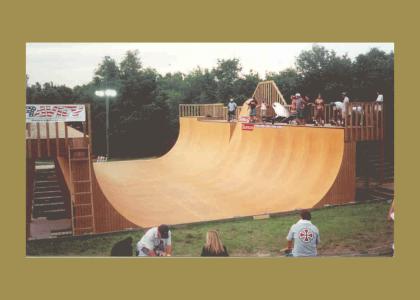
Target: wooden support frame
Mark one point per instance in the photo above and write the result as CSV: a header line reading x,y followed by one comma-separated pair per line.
x,y
47,130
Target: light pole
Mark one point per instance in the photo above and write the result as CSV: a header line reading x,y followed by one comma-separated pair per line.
x,y
107,94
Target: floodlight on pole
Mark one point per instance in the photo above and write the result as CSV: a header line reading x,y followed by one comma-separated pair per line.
x,y
108,93
100,93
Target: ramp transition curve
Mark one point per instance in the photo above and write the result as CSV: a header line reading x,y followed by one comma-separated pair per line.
x,y
216,170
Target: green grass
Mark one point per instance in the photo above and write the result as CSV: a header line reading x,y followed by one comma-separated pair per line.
x,y
360,229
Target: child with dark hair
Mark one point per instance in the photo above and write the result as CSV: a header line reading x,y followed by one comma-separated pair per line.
x,y
303,237
253,110
123,248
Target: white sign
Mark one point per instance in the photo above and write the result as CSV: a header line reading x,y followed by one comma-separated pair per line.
x,y
55,113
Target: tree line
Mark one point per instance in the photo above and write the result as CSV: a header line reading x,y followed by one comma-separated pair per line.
x,y
144,115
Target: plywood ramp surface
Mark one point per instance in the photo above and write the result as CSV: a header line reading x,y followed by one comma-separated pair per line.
x,y
218,171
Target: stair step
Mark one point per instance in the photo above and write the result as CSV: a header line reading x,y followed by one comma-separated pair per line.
x,y
46,184
48,197
46,181
46,178
51,215
48,204
46,187
49,208
45,173
49,192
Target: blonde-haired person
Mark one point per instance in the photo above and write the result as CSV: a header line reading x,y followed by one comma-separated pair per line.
x,y
213,246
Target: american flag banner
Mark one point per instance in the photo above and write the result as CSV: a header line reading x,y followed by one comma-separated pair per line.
x,y
55,113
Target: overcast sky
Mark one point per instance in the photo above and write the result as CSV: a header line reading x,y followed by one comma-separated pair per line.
x,y
75,63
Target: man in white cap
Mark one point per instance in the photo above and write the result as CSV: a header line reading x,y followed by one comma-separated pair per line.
x,y
231,109
300,109
155,242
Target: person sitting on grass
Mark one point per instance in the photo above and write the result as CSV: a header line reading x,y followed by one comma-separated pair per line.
x,y
213,246
123,248
303,237
156,242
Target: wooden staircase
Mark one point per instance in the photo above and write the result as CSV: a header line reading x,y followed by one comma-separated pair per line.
x,y
80,168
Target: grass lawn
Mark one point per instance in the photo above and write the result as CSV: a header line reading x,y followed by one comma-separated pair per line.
x,y
350,230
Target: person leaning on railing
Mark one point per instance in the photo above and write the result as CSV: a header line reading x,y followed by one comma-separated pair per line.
x,y
379,100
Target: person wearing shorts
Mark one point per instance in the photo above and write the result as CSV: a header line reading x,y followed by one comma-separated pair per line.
x,y
253,110
319,110
263,109
300,109
231,109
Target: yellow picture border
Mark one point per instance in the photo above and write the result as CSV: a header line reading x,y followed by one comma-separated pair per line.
x,y
209,21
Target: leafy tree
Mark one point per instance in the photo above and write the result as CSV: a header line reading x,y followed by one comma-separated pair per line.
x,y
322,71
244,86
288,81
201,87
372,72
226,74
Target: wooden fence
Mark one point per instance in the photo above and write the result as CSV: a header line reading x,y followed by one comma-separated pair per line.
x,y
364,121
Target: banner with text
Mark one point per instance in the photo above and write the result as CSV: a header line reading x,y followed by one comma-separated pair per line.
x,y
246,126
55,113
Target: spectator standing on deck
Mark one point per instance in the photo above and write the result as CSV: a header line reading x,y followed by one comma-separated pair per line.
x,y
253,110
155,242
231,109
380,97
263,108
293,105
303,237
300,109
307,109
345,110
319,110
213,246
379,100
